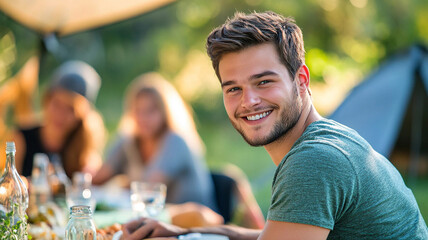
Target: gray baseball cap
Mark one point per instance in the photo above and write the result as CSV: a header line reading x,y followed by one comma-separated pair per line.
x,y
78,77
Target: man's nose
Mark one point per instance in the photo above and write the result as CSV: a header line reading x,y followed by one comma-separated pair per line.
x,y
249,99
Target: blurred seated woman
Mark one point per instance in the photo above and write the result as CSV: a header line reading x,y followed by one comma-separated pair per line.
x,y
159,143
70,126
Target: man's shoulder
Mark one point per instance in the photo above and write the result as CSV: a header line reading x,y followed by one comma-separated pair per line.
x,y
326,140
317,160
315,152
316,174
328,130
325,150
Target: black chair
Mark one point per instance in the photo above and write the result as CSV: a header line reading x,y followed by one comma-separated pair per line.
x,y
225,195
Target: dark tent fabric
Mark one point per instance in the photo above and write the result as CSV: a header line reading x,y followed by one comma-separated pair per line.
x,y
424,72
376,107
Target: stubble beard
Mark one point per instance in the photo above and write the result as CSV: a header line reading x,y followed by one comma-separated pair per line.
x,y
289,117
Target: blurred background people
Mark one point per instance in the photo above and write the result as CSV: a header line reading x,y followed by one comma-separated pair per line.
x,y
158,142
70,126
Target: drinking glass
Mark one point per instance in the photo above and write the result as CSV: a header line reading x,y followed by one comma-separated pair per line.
x,y
80,193
147,199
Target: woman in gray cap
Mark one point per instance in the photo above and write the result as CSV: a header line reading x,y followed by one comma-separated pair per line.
x,y
70,126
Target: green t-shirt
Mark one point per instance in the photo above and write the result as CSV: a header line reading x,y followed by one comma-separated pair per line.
x,y
332,178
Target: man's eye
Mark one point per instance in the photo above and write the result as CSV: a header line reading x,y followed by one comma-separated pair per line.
x,y
264,82
233,89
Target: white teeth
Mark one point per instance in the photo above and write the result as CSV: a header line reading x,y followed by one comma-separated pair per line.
x,y
258,116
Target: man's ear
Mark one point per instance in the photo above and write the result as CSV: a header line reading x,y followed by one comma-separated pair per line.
x,y
303,77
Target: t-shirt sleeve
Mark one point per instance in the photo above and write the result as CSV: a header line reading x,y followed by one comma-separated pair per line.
x,y
173,158
116,157
316,185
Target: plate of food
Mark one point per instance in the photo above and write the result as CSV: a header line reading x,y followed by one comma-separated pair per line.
x,y
112,232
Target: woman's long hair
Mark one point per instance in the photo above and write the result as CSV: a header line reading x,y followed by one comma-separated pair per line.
x,y
178,114
85,142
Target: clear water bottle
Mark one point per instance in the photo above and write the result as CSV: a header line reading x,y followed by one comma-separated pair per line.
x,y
60,184
13,199
80,226
40,192
41,203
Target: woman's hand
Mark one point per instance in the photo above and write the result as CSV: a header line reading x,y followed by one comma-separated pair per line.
x,y
149,228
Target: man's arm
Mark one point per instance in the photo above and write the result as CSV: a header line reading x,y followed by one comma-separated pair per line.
x,y
148,228
233,232
275,230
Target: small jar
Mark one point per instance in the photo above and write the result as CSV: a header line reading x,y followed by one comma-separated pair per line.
x,y
80,225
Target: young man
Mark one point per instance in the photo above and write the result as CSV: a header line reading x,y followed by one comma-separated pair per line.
x,y
329,183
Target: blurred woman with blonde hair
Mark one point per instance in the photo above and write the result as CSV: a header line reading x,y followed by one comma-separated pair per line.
x,y
158,142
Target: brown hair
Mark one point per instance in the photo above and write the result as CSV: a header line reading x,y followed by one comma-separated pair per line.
x,y
243,31
85,142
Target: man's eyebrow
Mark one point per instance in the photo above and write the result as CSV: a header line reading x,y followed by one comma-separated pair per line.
x,y
227,83
263,74
252,77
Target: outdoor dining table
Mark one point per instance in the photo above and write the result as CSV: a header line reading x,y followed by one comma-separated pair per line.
x,y
118,204
118,199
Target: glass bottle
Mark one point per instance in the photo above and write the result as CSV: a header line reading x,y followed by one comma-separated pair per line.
x,y
59,181
42,207
13,199
60,184
80,226
40,193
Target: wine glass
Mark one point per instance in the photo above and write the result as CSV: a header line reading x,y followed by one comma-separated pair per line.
x,y
147,199
80,193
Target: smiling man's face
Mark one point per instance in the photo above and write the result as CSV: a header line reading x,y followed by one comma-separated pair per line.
x,y
259,94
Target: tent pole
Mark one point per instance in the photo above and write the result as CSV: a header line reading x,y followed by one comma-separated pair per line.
x,y
43,57
416,135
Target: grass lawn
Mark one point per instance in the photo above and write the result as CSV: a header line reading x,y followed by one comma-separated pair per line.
x,y
420,190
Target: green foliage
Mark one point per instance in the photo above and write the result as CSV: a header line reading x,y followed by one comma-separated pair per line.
x,y
421,194
9,230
